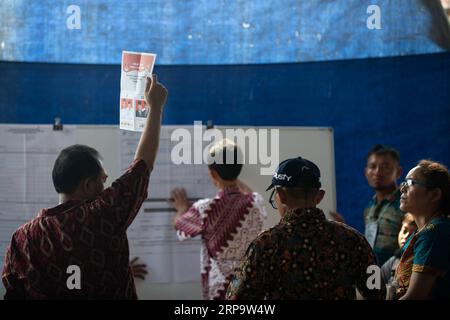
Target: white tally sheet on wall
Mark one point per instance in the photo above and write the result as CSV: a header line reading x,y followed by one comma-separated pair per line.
x,y
151,236
27,156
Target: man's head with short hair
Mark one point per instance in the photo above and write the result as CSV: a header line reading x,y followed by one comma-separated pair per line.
x,y
226,160
382,149
383,167
297,185
78,169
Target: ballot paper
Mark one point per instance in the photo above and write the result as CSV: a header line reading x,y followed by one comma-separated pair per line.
x,y
135,68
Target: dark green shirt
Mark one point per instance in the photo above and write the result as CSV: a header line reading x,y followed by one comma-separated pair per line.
x,y
388,218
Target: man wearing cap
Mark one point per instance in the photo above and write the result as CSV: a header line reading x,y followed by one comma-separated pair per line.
x,y
304,256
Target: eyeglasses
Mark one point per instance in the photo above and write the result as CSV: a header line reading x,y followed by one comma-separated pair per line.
x,y
305,191
412,182
272,200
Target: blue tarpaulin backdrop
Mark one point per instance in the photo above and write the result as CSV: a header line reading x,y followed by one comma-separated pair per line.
x,y
216,31
240,62
401,101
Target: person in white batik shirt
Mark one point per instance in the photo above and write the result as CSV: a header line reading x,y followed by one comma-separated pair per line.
x,y
227,223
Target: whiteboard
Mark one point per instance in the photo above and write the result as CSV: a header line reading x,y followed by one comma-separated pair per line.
x,y
315,144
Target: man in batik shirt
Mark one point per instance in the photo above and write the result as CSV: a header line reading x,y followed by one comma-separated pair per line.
x,y
304,256
227,223
86,232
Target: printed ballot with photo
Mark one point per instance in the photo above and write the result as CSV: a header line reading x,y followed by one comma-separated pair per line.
x,y
136,67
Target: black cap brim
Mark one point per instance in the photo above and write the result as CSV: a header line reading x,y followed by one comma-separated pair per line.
x,y
270,187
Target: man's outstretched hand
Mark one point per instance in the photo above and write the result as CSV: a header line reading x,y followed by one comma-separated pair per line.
x,y
179,200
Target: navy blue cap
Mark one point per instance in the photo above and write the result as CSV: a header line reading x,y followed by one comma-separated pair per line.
x,y
296,173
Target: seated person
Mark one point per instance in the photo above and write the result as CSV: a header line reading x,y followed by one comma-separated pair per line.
x,y
424,268
388,269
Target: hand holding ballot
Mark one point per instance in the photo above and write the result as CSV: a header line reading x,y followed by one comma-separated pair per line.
x,y
155,94
136,68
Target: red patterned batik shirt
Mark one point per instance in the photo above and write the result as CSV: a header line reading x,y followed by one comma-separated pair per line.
x,y
90,235
228,223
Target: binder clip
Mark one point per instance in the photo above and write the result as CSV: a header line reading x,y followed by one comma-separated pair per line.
x,y
209,125
57,125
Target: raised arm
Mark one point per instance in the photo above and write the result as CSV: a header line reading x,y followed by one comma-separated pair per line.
x,y
155,97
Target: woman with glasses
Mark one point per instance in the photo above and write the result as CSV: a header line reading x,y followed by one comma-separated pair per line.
x,y
424,269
